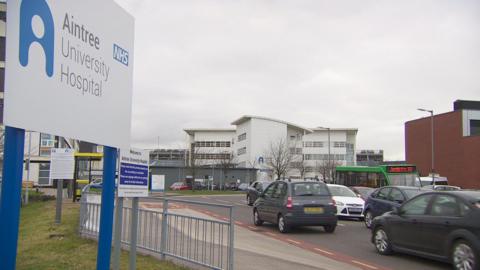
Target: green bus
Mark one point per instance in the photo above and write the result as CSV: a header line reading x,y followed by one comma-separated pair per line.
x,y
377,176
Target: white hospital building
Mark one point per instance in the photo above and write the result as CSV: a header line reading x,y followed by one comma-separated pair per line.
x,y
250,138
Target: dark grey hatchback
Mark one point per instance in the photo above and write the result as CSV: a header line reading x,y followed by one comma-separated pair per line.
x,y
441,225
291,204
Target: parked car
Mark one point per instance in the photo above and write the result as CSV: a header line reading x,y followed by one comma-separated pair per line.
x,y
347,202
442,187
255,189
179,186
291,204
384,199
442,225
243,187
362,192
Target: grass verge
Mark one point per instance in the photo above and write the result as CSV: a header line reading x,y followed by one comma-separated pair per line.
x,y
43,245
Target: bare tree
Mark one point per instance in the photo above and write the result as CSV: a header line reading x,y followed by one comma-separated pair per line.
x,y
326,168
279,157
299,164
226,161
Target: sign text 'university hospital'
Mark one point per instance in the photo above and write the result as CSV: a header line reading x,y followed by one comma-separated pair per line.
x,y
90,82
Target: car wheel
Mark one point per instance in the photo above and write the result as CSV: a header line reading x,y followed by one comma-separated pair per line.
x,y
256,218
249,200
381,241
329,228
282,224
368,217
463,256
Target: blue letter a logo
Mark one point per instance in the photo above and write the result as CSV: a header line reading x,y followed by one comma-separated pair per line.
x,y
29,9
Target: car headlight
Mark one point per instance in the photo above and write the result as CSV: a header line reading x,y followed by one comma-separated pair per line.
x,y
337,203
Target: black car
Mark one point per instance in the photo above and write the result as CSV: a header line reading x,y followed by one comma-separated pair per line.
x,y
255,189
362,192
290,204
384,199
441,225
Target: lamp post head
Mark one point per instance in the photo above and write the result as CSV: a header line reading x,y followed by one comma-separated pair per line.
x,y
425,110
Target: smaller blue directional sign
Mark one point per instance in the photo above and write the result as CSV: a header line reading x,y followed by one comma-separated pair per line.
x,y
133,173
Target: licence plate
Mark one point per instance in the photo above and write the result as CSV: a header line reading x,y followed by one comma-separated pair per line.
x,y
313,210
355,210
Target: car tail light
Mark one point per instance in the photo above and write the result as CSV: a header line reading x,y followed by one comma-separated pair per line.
x,y
289,202
333,202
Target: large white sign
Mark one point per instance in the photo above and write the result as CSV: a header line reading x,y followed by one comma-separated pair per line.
x,y
62,163
133,173
158,182
69,67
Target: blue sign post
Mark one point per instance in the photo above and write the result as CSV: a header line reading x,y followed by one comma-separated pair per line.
x,y
11,196
106,212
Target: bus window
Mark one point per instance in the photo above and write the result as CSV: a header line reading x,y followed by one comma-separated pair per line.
x,y
402,179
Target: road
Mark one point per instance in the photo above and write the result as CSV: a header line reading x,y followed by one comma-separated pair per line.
x,y
351,238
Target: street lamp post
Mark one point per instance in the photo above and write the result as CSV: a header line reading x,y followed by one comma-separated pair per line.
x,y
329,158
433,149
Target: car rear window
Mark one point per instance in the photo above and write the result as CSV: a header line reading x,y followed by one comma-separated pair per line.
x,y
412,192
309,189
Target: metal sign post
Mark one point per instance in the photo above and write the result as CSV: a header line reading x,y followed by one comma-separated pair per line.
x,y
117,233
11,195
58,210
133,234
106,211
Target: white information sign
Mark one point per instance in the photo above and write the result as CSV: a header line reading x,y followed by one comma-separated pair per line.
x,y
69,67
158,182
133,173
62,163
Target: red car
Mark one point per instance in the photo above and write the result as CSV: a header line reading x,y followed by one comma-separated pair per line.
x,y
179,186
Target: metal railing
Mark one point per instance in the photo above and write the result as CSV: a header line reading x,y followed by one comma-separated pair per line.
x,y
175,230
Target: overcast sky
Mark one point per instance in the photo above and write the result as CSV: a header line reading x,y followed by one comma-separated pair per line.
x,y
354,64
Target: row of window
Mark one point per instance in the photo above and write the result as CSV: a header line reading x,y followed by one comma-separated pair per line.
x,y
323,157
241,151
321,144
295,151
242,137
213,156
313,144
212,144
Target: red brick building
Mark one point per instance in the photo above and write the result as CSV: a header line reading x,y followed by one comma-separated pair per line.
x,y
456,144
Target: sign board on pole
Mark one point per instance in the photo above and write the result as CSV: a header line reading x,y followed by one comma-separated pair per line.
x,y
133,173
158,182
69,67
62,164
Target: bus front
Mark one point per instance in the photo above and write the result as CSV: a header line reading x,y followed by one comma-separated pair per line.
x,y
401,175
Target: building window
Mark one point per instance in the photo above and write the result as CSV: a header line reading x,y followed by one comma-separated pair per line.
x,y
222,156
213,144
47,142
241,151
44,174
474,127
339,144
242,137
316,144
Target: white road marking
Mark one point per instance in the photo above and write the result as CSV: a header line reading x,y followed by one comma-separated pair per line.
x,y
240,204
222,201
341,224
323,251
364,264
293,241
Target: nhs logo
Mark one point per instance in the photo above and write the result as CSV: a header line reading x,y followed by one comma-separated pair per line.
x,y
120,54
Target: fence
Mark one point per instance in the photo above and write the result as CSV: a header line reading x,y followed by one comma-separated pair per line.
x,y
175,230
